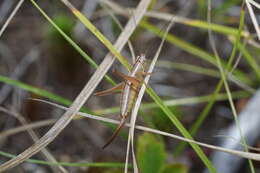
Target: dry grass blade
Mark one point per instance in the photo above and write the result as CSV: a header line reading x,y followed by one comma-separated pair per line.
x,y
19,4
124,12
223,76
20,129
99,35
138,102
231,138
253,17
160,15
254,3
248,155
83,96
49,157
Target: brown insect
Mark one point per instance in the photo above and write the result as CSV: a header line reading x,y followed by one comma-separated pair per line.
x,y
129,91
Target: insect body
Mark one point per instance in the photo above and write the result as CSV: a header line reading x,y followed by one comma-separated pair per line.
x,y
130,88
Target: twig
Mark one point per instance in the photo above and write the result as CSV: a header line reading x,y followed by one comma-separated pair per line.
x,y
19,4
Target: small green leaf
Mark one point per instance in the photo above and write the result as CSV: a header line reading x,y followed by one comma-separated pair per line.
x,y
175,168
151,154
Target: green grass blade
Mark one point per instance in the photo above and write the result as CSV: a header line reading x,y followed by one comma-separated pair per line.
x,y
226,30
182,129
251,61
38,91
192,49
150,91
34,90
94,30
99,35
195,127
214,27
224,79
179,102
153,95
201,8
189,67
72,43
49,95
81,164
201,118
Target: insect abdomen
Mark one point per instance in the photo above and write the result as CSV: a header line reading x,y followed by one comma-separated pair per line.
x,y
132,98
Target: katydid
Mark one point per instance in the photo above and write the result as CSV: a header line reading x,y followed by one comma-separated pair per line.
x,y
129,91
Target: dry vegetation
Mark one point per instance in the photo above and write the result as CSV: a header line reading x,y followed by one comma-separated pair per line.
x,y
206,73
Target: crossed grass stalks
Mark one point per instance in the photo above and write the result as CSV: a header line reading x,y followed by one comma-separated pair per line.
x,y
93,82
